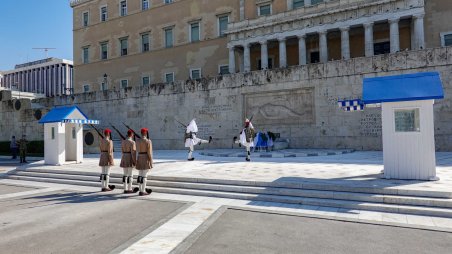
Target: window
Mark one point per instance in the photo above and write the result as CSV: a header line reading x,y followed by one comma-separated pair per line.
x,y
169,77
407,120
264,10
85,56
124,83
195,73
85,18
168,1
144,5
297,4
194,32
52,132
103,13
223,69
103,86
270,63
144,42
123,8
222,25
145,80
123,46
104,50
446,39
316,1
85,88
74,134
168,37
315,57
382,48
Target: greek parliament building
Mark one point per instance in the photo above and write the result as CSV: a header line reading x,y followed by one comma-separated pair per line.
x,y
122,43
50,77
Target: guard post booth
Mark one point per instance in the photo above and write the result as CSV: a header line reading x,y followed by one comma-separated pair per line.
x,y
63,135
407,122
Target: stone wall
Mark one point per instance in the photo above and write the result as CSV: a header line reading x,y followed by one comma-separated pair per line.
x,y
299,103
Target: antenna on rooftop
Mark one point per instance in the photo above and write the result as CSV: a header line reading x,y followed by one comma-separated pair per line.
x,y
46,50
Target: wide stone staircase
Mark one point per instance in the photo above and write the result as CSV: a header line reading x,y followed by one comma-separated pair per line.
x,y
314,193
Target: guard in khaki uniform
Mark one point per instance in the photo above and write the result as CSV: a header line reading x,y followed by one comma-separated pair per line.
x,y
128,161
106,160
144,162
247,138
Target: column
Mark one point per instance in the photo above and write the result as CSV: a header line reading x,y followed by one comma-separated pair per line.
x,y
282,53
369,39
302,57
394,36
345,43
264,55
45,81
231,59
323,45
242,10
419,31
246,58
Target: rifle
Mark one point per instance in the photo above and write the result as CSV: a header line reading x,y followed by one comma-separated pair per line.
x,y
136,135
181,123
119,133
98,132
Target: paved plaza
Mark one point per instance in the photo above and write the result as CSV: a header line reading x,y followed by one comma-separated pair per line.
x,y
67,218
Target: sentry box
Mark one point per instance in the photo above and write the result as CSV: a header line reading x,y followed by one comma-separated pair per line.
x,y
63,135
407,122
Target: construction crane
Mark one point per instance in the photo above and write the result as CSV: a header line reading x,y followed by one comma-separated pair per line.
x,y
46,50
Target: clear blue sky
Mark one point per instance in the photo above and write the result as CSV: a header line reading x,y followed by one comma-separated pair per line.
x,y
31,24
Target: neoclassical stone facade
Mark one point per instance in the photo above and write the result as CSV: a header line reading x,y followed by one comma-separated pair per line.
x,y
317,22
298,103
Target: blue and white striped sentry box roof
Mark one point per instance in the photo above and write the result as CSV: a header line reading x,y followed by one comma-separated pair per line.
x,y
81,121
71,114
348,103
353,108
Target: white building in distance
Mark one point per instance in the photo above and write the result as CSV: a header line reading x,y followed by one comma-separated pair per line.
x,y
50,76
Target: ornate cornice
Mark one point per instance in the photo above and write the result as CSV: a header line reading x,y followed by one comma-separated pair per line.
x,y
75,3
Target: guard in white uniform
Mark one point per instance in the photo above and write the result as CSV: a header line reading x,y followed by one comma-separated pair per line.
x,y
247,138
191,140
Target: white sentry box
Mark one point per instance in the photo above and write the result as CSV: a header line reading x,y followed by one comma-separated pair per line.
x,y
63,135
408,140
407,122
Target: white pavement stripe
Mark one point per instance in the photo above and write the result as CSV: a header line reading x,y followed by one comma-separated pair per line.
x,y
27,193
167,237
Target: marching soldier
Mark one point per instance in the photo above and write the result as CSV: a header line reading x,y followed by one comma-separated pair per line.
x,y
191,140
247,138
23,142
106,160
144,162
128,161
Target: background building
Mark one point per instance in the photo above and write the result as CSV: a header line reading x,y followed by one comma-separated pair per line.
x,y
123,43
51,77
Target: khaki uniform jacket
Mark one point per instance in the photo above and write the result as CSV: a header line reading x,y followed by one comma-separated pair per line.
x,y
144,149
106,153
22,144
129,154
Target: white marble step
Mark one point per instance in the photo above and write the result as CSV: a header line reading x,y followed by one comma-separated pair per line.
x,y
305,185
335,195
346,204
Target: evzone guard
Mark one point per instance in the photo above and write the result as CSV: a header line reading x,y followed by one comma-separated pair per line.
x,y
106,160
246,138
144,162
128,161
191,140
